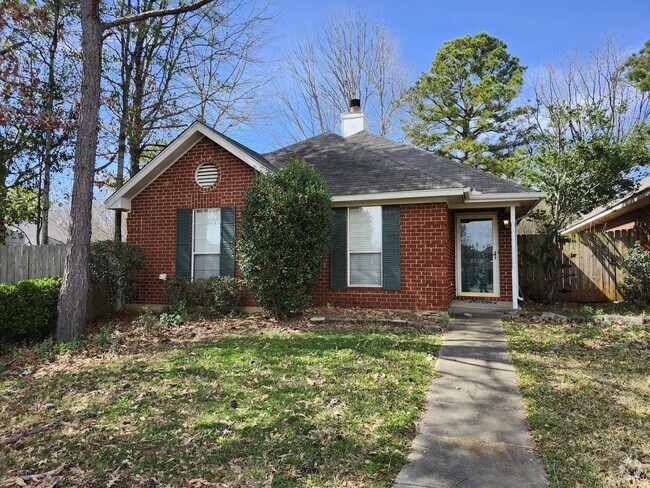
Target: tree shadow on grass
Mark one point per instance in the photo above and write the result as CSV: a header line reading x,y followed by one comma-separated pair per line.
x,y
323,408
585,401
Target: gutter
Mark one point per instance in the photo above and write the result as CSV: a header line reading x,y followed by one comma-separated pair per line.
x,y
468,194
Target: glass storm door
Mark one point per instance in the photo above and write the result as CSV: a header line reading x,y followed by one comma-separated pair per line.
x,y
477,256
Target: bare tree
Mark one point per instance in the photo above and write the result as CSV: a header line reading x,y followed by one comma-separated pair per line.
x,y
168,69
57,101
352,56
595,79
223,80
589,141
73,299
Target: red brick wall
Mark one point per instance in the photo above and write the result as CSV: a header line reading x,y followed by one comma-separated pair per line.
x,y
427,266
505,258
151,224
635,219
427,241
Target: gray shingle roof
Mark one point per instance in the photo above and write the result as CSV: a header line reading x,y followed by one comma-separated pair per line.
x,y
367,163
255,155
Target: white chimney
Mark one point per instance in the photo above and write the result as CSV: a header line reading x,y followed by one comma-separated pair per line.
x,y
355,120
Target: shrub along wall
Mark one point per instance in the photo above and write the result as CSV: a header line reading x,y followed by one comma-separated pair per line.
x,y
28,309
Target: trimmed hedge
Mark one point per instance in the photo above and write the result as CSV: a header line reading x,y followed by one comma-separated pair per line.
x,y
28,309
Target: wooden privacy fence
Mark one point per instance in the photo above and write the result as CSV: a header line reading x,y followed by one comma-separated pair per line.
x,y
18,263
593,265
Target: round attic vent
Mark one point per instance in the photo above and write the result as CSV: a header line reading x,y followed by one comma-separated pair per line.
x,y
206,175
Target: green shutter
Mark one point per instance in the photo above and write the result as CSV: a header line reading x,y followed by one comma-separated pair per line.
x,y
227,259
183,242
339,252
391,256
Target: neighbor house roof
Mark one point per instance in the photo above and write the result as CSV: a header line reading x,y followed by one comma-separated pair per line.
x,y
362,167
25,233
632,201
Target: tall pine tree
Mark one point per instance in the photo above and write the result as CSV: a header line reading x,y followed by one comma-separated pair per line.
x,y
464,107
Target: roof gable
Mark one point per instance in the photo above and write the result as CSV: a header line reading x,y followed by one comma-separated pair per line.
x,y
121,199
358,168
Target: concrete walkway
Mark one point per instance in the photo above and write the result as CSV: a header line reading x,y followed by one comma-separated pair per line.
x,y
474,431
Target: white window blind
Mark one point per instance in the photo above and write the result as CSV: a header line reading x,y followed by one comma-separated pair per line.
x,y
206,245
364,246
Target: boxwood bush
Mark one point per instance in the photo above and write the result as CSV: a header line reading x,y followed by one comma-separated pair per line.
x,y
212,297
28,309
286,233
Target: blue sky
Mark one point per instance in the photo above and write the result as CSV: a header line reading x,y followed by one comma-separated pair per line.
x,y
535,31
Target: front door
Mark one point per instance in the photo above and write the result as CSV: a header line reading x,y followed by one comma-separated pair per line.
x,y
477,255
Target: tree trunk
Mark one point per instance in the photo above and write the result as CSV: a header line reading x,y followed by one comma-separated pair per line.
x,y
126,69
3,197
121,152
4,173
73,299
49,134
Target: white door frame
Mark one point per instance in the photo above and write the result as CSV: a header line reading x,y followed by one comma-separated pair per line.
x,y
494,216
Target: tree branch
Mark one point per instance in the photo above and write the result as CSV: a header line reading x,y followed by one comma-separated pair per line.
x,y
128,19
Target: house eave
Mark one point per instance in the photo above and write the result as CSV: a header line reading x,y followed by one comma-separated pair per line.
x,y
627,205
456,198
397,196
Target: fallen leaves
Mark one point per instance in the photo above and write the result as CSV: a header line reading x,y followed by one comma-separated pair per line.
x,y
48,479
233,403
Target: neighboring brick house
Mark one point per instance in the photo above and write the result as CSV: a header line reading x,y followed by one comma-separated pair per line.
x,y
632,211
412,230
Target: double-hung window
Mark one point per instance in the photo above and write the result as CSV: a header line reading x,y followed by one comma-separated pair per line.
x,y
365,246
206,243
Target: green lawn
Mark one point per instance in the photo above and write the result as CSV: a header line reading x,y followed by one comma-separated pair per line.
x,y
589,309
269,407
587,391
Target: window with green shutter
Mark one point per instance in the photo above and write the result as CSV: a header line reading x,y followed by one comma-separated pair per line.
x,y
183,242
365,246
205,242
338,254
391,251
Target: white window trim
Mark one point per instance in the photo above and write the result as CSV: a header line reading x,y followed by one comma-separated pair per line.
x,y
347,250
192,234
495,245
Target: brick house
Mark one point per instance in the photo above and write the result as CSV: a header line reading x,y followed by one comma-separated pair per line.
x,y
629,212
412,230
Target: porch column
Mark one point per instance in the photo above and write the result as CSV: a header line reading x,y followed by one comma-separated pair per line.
x,y
515,258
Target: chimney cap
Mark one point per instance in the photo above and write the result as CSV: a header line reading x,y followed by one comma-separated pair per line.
x,y
355,103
